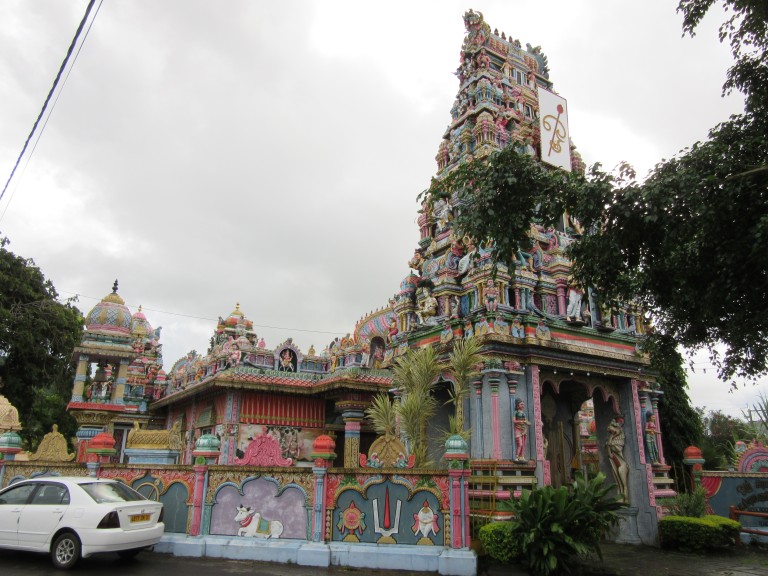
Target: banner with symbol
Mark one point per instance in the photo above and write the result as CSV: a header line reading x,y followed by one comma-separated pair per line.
x,y
553,122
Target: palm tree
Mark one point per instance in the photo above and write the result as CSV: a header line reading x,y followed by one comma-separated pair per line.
x,y
415,374
463,365
381,415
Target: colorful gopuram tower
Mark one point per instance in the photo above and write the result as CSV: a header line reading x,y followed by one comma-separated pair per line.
x,y
127,357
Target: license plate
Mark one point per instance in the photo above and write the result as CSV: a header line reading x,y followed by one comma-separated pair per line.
x,y
140,517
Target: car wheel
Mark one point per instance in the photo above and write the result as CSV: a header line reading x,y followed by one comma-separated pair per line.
x,y
65,551
132,553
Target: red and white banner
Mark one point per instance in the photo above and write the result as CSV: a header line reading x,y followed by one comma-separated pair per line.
x,y
553,122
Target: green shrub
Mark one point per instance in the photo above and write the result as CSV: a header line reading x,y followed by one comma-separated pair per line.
x,y
698,534
498,541
555,528
691,504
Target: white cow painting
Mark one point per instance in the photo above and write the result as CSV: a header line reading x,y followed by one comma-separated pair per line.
x,y
252,524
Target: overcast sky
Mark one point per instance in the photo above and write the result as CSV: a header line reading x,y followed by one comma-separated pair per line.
x,y
270,153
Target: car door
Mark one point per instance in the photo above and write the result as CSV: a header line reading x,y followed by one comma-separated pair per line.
x,y
42,515
12,502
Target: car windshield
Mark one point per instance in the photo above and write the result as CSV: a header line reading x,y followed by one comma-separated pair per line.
x,y
111,492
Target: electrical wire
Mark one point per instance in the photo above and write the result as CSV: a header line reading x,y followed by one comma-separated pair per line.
x,y
52,90
205,317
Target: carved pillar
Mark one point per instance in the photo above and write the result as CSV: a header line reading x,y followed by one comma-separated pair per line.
x,y
122,374
323,454
517,299
562,285
457,456
198,499
659,443
512,383
493,381
479,453
80,376
541,462
352,424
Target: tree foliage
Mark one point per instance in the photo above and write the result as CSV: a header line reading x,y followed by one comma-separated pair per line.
x,y
37,336
680,423
721,432
415,374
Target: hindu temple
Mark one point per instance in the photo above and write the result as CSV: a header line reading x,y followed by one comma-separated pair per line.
x,y
564,388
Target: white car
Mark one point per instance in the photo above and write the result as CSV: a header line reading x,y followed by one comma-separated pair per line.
x,y
72,518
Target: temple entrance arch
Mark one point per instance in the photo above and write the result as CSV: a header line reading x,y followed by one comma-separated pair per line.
x,y
571,411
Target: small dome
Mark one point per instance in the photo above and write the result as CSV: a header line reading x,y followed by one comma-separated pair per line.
x,y
456,445
102,442
207,443
140,326
692,453
9,416
408,285
10,442
236,319
323,444
111,315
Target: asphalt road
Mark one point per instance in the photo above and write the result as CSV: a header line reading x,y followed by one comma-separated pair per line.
x,y
151,564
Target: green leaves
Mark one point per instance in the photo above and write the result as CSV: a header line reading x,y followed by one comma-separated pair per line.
x,y
556,527
37,336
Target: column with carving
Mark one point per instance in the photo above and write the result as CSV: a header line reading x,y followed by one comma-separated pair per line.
x,y
478,385
323,455
659,436
493,382
352,424
78,388
122,378
562,289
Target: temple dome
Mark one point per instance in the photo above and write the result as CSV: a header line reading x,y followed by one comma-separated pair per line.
x,y
140,326
236,319
111,315
9,416
408,285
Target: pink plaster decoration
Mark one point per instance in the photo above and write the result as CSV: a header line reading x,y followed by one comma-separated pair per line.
x,y
660,436
456,512
538,425
234,416
333,481
197,505
495,426
561,288
352,426
636,384
442,483
638,421
263,450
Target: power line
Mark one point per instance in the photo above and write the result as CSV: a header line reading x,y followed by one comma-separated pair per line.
x,y
51,91
207,318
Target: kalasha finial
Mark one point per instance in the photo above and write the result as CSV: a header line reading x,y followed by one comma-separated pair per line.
x,y
114,287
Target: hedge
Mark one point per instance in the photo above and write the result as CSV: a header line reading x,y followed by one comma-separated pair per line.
x,y
698,534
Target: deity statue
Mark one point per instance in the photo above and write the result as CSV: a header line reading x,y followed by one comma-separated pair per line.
x,y
455,307
518,330
542,330
427,307
615,448
521,429
651,432
286,361
575,293
392,329
491,295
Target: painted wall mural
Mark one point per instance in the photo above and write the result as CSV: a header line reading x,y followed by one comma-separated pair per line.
x,y
387,510
262,509
295,443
